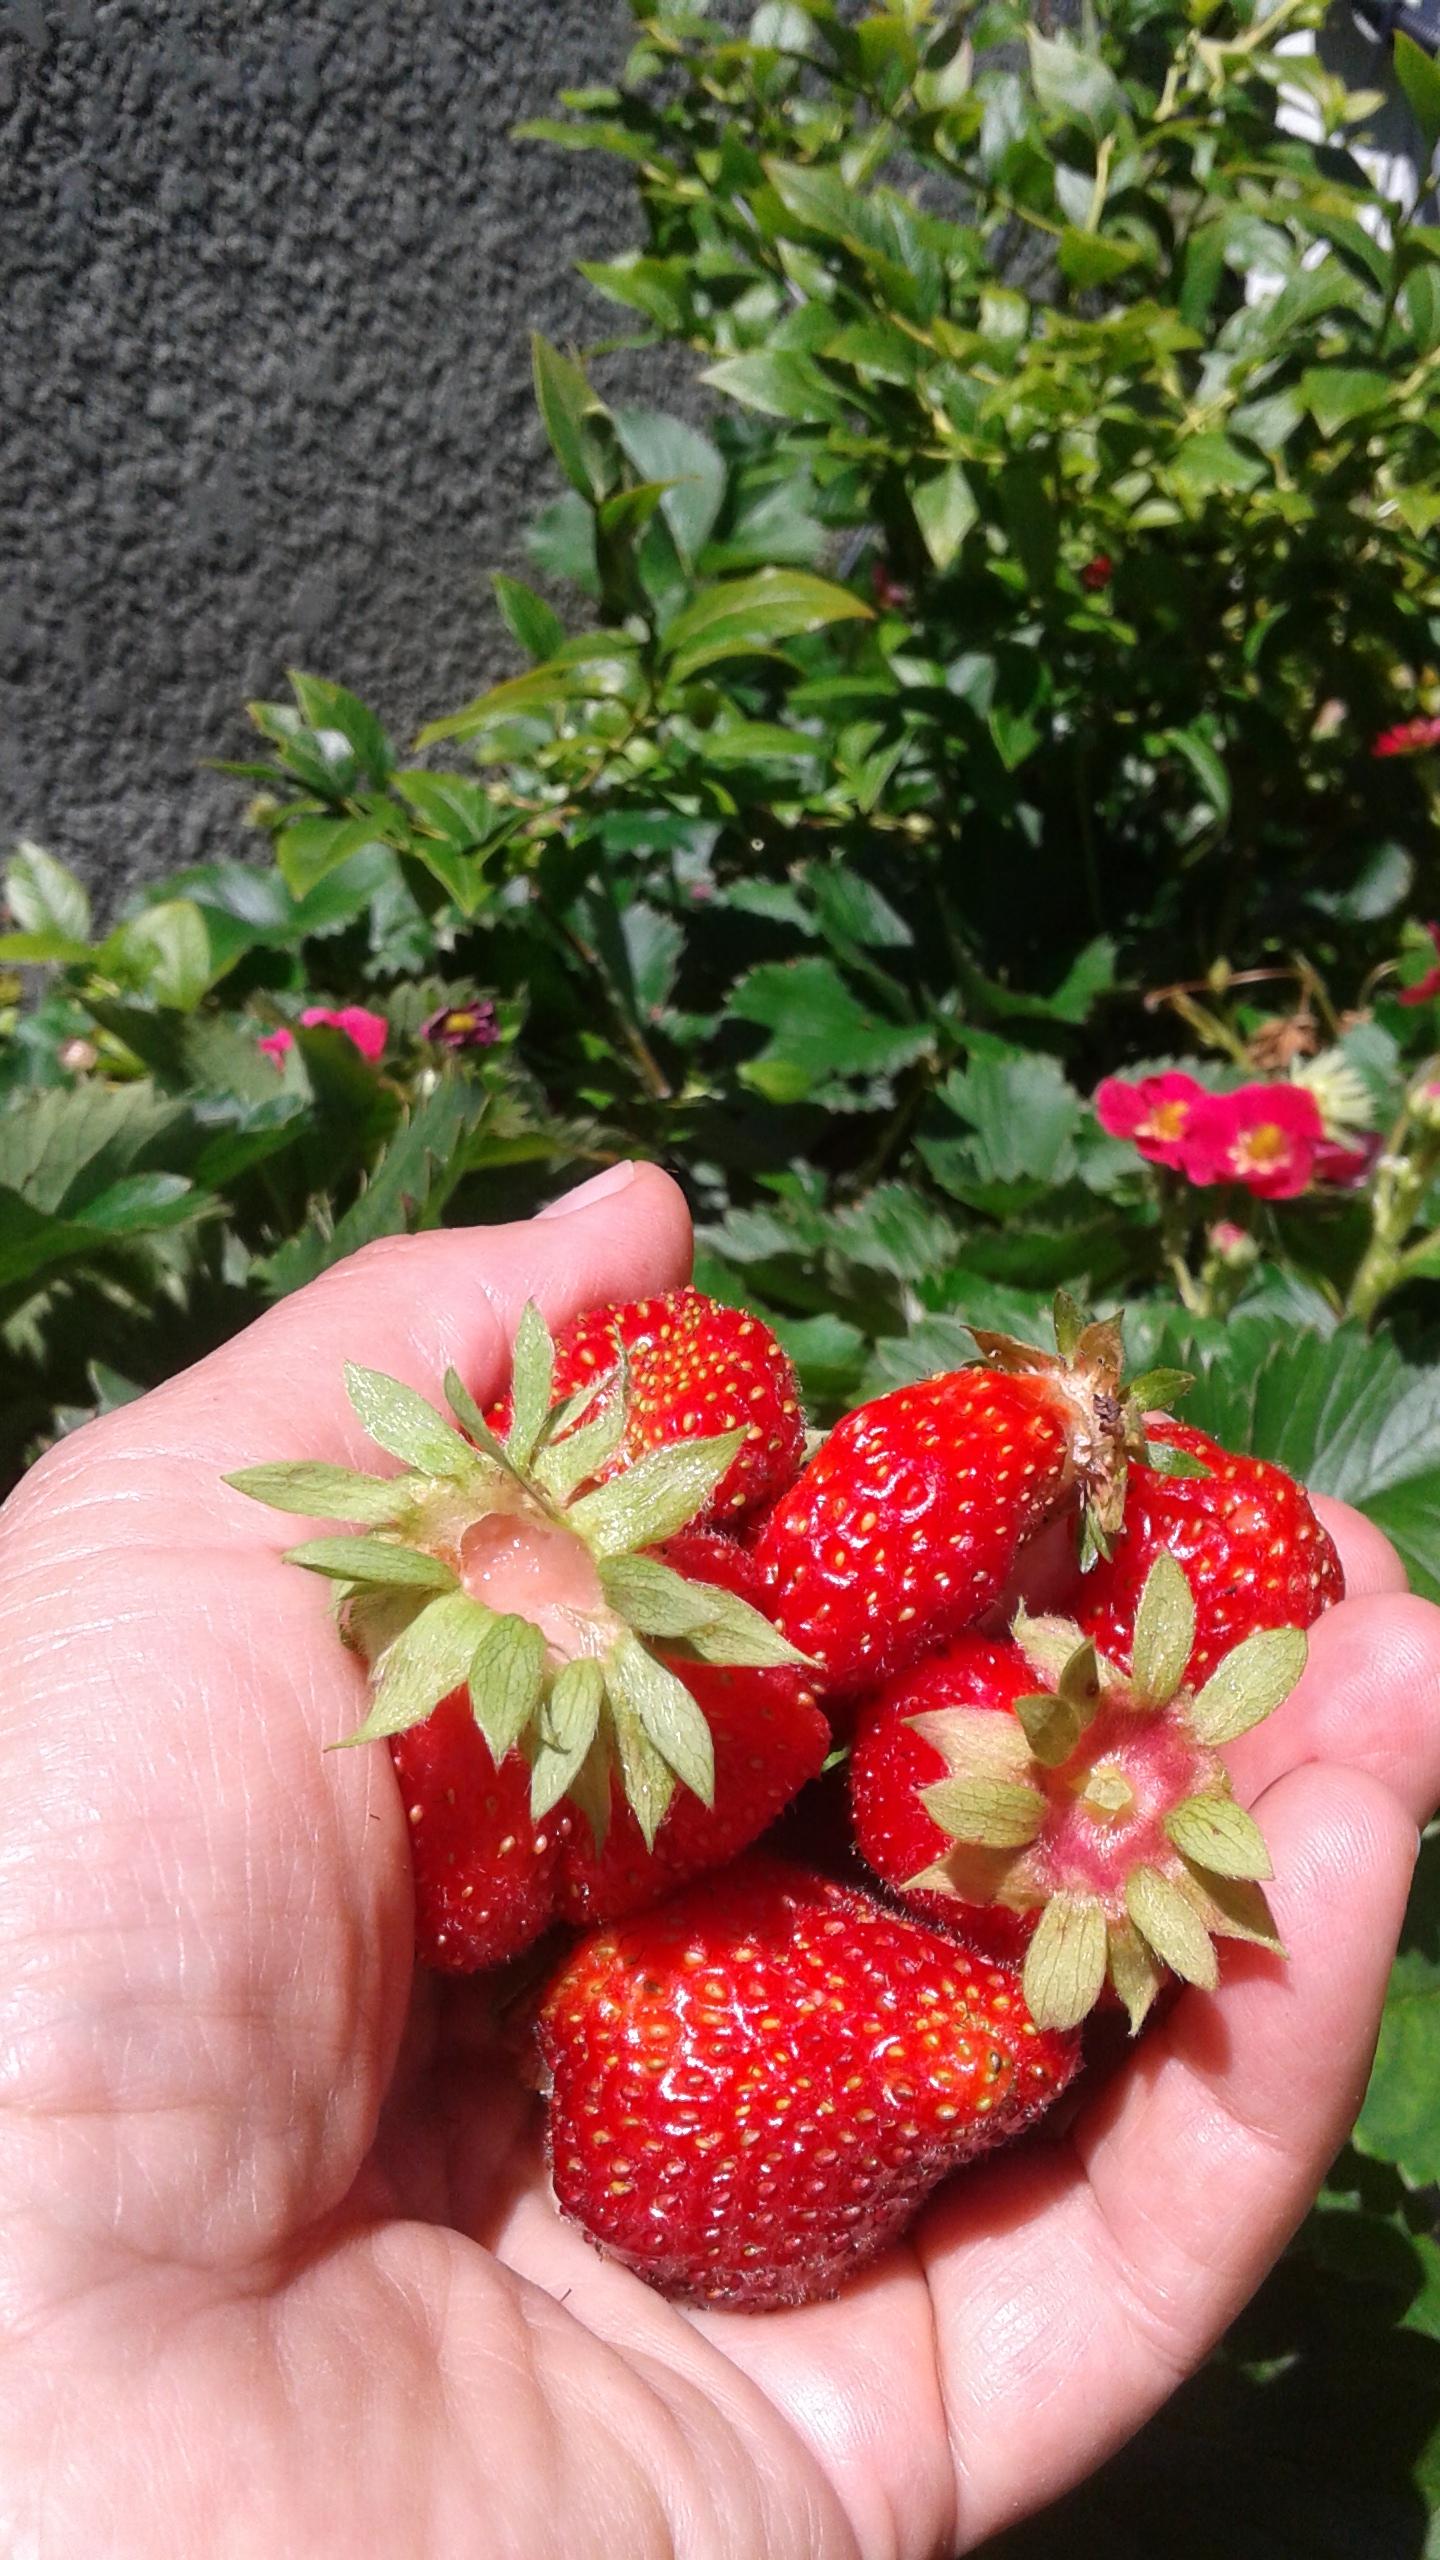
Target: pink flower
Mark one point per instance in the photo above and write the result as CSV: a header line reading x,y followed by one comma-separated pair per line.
x,y
463,1026
1266,1136
1428,986
368,1031
1158,1115
1346,1167
1407,738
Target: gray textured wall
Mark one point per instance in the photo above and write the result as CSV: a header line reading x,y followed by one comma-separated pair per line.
x,y
269,269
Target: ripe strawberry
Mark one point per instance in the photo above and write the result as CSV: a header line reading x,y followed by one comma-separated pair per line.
x,y
696,1368
1254,1553
893,1762
547,1641
905,1526
754,2088
1097,1809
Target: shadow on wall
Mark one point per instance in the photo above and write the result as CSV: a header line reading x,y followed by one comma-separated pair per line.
x,y
270,271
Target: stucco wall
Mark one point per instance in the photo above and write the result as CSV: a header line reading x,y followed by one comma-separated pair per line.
x,y
269,272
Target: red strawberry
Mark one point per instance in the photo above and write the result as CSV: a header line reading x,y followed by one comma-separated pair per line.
x,y
584,1705
892,1762
1095,1810
754,2088
1254,1553
905,1526
696,1368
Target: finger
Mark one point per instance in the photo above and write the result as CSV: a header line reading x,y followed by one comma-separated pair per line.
x,y
1369,1700
411,1305
1369,1560
1083,2283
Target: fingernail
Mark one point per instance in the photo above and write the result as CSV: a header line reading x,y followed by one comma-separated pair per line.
x,y
599,1187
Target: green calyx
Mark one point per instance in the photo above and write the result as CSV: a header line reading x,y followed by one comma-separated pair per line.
x,y
587,1687
1087,1367
1103,1804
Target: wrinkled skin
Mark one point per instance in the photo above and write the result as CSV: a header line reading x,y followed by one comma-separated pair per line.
x,y
278,2272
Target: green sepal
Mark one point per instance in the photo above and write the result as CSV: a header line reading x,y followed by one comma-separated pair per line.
x,y
1069,1319
1155,1390
1171,1926
717,1625
591,1789
665,1711
318,1492
968,1873
648,1780
569,1721
1232,1907
1048,1644
1248,1685
655,1498
506,1677
1217,1834
570,1456
373,1560
993,1813
400,1420
1164,1634
428,1659
1165,1460
1065,1961
1053,1726
1133,1971
532,1380
468,1414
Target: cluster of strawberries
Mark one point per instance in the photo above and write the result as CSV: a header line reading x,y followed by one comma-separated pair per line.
x,y
623,1623
1269,1138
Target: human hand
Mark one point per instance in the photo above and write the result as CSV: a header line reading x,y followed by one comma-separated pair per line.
x,y
279,2272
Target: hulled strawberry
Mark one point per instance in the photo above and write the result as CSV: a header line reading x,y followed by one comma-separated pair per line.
x,y
893,1761
754,2087
696,1369
582,1698
906,1525
1100,1810
1253,1551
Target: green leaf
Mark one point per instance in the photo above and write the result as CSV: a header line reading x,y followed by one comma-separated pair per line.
x,y
408,1188
1249,1684
310,847
399,1419
532,1379
1209,463
1419,76
738,617
572,416
689,468
820,1032
163,953
1335,394
506,1677
325,706
945,510
1090,258
655,1498
46,900
780,384
665,1712
530,620
1401,2116
373,1560
1075,85
426,1661
320,1492
1164,1632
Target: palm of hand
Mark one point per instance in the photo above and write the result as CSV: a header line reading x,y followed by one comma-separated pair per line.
x,y
279,2263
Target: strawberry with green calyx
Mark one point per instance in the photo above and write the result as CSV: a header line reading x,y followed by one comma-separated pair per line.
x,y
696,1369
755,2086
1254,1553
907,1523
1103,1806
535,1654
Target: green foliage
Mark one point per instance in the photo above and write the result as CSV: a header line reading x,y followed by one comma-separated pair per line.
x,y
976,697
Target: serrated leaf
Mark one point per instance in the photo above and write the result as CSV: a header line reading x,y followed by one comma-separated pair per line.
x,y
506,1676
1220,1836
1169,1924
400,1420
427,1660
1249,1684
647,1779
666,1712
1164,1633
319,1492
1065,1961
656,1498
532,1379
372,1560
1401,2118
